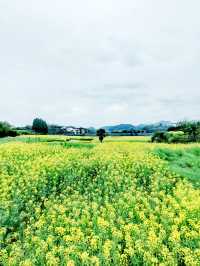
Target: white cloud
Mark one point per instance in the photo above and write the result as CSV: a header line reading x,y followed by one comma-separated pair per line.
x,y
79,62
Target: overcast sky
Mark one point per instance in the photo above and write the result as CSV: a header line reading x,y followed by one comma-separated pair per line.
x,y
99,62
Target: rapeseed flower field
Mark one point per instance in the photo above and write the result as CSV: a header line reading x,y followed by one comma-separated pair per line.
x,y
114,204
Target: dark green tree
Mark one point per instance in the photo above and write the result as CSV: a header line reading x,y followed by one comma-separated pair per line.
x,y
101,133
7,130
40,126
192,129
4,129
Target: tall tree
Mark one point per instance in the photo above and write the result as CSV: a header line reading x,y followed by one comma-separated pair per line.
x,y
4,129
101,133
40,126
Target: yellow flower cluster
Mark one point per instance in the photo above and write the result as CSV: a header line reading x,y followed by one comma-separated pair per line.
x,y
115,204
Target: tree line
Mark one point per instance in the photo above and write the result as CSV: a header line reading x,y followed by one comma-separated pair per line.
x,y
39,126
183,132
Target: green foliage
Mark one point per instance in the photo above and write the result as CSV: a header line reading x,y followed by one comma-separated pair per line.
x,y
176,137
40,126
6,130
191,129
24,132
12,133
159,137
185,131
170,137
101,133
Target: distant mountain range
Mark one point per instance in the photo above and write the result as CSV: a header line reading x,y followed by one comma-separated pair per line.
x,y
119,127
162,125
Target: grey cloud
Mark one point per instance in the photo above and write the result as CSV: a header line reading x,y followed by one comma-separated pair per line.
x,y
99,62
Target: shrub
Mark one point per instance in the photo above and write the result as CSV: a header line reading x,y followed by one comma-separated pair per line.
x,y
13,133
184,132
159,137
176,136
6,130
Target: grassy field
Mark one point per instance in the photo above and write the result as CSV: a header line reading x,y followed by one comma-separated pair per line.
x,y
78,202
58,138
185,161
